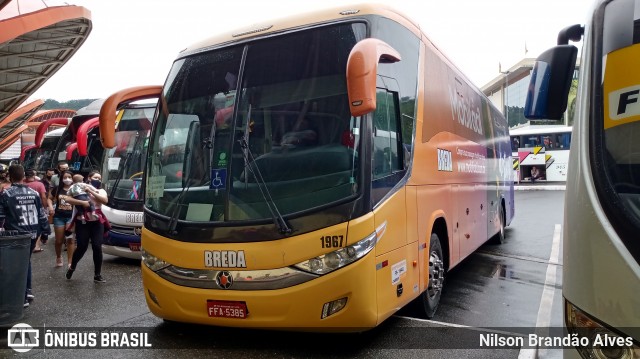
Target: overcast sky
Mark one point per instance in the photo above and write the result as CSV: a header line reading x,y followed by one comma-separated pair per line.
x,y
134,42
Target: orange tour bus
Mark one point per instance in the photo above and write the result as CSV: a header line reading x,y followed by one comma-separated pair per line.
x,y
319,172
601,255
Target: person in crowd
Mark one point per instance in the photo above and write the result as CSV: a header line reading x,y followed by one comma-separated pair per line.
x,y
31,182
62,216
46,181
90,231
4,178
62,167
21,210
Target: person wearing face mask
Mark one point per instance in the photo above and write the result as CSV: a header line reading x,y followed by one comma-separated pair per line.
x,y
62,167
62,216
90,231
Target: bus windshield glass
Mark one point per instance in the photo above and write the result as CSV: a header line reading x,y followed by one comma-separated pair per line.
x,y
43,156
125,162
266,124
621,126
30,157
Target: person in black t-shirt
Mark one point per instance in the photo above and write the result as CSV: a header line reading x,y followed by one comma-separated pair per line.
x,y
21,210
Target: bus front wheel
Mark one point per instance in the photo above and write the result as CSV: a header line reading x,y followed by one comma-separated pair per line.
x,y
430,298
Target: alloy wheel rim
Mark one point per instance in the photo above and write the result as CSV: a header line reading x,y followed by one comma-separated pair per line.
x,y
436,274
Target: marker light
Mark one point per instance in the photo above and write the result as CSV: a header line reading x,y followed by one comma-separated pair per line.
x,y
331,261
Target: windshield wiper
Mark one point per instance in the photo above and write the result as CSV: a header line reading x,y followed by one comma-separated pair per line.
x,y
262,186
173,220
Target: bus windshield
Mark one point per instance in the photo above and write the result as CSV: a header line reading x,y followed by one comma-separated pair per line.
x,y
125,162
244,128
30,157
43,158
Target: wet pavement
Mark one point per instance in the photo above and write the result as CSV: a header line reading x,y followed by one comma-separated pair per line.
x,y
499,287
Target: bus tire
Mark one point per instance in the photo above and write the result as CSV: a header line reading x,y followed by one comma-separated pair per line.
x,y
499,237
430,299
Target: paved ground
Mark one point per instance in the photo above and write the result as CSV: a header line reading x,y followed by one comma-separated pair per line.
x,y
498,287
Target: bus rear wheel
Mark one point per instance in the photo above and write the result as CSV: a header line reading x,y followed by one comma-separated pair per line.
x,y
500,236
430,299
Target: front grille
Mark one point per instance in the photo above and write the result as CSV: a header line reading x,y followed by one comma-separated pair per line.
x,y
123,229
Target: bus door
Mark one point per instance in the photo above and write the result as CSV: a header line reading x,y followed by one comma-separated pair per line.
x,y
388,170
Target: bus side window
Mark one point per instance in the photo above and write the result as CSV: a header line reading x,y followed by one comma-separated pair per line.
x,y
533,141
565,140
388,151
515,144
387,144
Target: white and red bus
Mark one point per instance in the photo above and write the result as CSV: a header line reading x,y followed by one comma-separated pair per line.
x,y
543,146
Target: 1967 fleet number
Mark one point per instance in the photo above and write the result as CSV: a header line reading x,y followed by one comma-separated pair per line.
x,y
332,241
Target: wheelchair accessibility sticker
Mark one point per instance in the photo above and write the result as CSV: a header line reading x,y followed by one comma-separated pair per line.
x,y
218,178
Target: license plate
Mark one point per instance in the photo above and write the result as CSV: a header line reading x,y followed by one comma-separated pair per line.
x,y
134,247
227,309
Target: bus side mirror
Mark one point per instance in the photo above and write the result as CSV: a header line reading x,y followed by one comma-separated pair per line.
x,y
362,69
550,83
110,107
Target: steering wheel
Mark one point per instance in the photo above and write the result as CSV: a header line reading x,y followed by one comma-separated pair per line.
x,y
139,174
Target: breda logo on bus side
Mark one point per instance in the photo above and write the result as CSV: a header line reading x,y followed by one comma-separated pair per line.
x,y
224,259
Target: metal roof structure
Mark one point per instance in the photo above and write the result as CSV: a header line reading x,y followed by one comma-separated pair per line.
x,y
12,126
44,115
29,134
36,40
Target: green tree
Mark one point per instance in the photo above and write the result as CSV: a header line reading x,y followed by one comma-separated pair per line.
x,y
51,104
573,92
515,115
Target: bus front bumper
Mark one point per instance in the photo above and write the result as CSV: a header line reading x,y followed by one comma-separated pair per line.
x,y
298,307
122,245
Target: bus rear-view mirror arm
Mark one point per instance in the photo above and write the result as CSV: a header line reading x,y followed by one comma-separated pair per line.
x,y
109,109
573,33
362,69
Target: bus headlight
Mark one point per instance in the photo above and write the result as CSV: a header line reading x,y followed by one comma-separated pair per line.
x,y
603,342
339,258
154,263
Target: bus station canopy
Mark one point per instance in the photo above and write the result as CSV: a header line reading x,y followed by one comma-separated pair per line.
x,y
36,39
44,115
12,126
